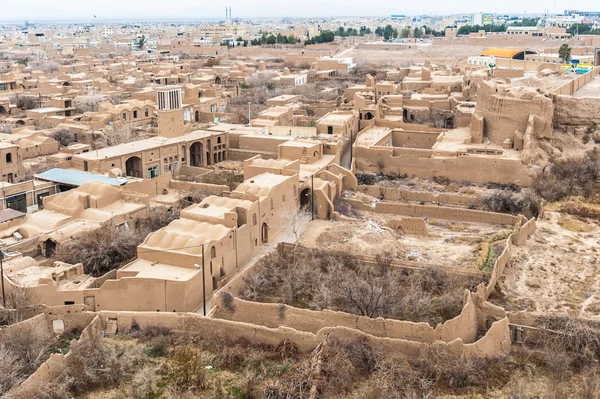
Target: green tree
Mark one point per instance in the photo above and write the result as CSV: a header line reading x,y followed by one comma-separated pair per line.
x,y
564,52
142,42
417,32
405,33
579,29
271,40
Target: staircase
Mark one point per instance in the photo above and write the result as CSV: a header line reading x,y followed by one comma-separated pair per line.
x,y
304,156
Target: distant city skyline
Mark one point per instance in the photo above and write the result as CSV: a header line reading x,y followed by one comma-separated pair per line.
x,y
36,10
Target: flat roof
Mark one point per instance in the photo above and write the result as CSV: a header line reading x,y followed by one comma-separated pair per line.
x,y
10,214
76,177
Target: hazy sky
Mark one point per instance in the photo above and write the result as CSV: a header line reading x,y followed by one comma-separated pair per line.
x,y
200,9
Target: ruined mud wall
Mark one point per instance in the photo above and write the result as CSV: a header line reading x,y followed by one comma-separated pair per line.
x,y
427,164
437,212
306,341
52,368
519,235
504,113
579,111
272,315
400,194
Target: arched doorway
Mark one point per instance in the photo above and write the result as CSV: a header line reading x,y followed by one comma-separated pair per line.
x,y
216,157
196,151
133,167
329,129
405,115
368,116
66,84
218,80
264,233
197,116
49,248
305,197
3,110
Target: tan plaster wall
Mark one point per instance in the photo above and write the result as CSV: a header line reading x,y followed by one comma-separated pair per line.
x,y
421,163
437,212
399,194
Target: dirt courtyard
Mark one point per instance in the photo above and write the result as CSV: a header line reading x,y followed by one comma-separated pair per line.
x,y
558,270
448,243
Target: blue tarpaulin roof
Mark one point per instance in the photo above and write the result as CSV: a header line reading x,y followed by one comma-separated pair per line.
x,y
76,177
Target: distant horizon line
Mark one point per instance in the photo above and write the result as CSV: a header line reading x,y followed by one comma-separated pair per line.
x,y
221,19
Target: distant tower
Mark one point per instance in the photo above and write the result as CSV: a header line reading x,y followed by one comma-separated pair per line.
x,y
170,111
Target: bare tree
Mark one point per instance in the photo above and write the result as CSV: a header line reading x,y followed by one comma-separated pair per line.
x,y
295,218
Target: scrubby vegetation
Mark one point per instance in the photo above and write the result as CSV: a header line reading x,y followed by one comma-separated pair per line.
x,y
108,248
571,177
524,202
319,279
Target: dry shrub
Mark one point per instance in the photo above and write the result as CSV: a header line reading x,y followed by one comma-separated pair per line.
x,y
318,279
344,208
104,249
101,250
63,136
186,370
525,202
229,178
571,177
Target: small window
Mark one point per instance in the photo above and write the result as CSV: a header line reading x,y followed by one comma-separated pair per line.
x,y
254,222
134,114
152,172
9,158
213,252
146,112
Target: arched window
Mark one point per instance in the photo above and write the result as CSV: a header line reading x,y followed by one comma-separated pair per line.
x,y
213,252
254,222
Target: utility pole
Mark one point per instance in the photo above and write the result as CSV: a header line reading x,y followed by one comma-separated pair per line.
x,y
2,277
312,196
203,284
249,113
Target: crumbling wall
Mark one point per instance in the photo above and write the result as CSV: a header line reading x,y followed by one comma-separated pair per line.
x,y
427,164
438,212
400,194
52,368
571,111
274,315
408,225
505,109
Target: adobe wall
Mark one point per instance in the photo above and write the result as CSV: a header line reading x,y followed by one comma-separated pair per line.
x,y
437,212
52,368
580,111
242,155
572,86
408,225
504,113
207,188
400,194
273,315
421,163
306,341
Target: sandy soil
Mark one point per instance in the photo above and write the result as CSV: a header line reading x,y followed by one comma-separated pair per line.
x,y
557,271
448,243
446,55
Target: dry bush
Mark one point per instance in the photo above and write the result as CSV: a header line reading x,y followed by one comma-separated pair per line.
x,y
21,353
118,135
25,102
88,103
229,178
64,137
319,279
344,208
107,248
525,202
93,365
186,370
575,176
7,128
